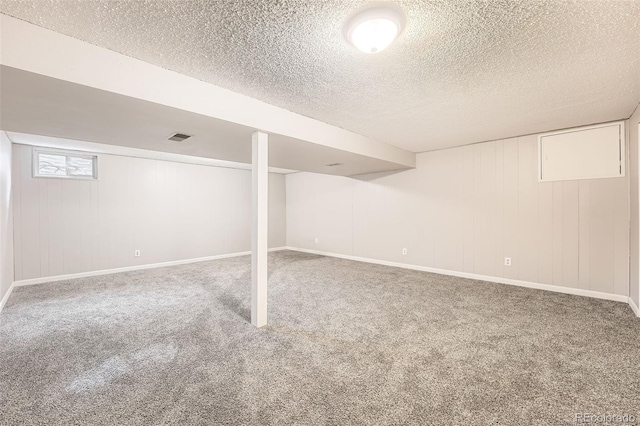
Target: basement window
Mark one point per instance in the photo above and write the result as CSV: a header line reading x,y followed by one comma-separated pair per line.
x,y
64,164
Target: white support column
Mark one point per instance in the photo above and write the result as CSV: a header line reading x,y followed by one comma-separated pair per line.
x,y
260,186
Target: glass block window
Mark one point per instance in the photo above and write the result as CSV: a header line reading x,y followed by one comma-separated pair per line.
x,y
64,164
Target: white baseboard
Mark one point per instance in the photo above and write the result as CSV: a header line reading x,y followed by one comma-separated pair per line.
x,y
276,249
6,296
519,283
43,280
509,281
634,307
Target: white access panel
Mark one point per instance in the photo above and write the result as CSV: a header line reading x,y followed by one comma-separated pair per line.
x,y
583,153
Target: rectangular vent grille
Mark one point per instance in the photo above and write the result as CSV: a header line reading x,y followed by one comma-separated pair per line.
x,y
179,137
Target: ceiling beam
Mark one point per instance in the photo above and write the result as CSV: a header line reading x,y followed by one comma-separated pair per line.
x,y
31,48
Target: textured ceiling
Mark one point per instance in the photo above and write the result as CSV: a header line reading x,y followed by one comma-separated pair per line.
x,y
461,72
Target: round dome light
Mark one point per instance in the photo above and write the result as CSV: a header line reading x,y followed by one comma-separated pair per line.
x,y
374,29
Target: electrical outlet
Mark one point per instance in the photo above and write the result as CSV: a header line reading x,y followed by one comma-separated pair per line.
x,y
507,261
137,253
316,240
404,251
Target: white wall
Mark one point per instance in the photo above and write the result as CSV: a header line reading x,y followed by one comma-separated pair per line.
x,y
168,210
6,217
465,209
635,212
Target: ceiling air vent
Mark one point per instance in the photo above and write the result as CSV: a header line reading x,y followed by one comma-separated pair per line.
x,y
334,164
179,137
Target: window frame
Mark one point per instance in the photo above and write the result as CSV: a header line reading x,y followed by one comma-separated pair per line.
x,y
35,157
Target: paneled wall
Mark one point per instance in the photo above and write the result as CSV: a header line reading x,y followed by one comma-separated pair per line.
x,y
466,209
634,160
6,217
167,210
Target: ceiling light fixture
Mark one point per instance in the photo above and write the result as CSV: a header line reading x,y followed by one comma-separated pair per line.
x,y
374,29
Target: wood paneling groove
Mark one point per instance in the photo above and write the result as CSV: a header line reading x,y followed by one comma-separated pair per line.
x,y
584,236
557,233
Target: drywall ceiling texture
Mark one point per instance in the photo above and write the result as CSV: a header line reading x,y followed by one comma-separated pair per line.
x,y
461,72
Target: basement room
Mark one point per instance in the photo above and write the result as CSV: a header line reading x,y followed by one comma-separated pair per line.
x,y
336,212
